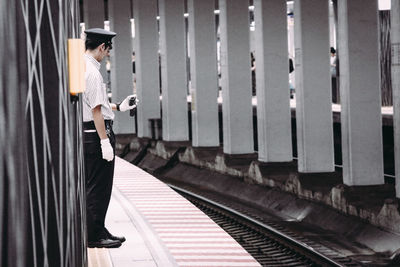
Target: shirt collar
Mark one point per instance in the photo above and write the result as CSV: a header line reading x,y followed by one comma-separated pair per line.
x,y
93,61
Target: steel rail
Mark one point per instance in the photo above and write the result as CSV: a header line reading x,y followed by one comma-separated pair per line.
x,y
281,235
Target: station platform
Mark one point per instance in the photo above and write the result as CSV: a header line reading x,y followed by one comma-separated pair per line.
x,y
162,228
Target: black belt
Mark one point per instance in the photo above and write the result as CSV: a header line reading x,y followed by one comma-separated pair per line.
x,y
89,125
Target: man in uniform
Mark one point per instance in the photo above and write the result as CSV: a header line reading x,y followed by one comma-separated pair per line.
x,y
99,139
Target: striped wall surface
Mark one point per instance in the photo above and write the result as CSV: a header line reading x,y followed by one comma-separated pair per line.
x,y
42,193
13,186
189,235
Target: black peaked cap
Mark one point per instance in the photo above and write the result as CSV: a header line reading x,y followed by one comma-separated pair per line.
x,y
98,34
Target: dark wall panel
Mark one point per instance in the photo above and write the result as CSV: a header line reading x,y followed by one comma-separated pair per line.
x,y
42,193
13,180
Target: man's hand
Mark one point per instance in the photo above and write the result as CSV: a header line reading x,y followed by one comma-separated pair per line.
x,y
106,149
124,106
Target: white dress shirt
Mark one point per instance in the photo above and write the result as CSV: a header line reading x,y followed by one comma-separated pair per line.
x,y
95,93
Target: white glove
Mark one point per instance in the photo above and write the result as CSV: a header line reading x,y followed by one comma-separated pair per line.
x,y
124,106
106,149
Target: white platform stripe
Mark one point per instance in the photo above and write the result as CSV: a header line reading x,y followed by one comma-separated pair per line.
x,y
193,224
184,226
177,217
145,194
196,240
160,203
186,230
189,235
210,252
200,246
159,194
154,200
158,198
174,213
217,264
151,209
164,216
234,262
186,234
198,243
181,219
184,211
215,257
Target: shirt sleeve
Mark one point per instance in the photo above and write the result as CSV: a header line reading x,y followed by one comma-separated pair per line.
x,y
94,91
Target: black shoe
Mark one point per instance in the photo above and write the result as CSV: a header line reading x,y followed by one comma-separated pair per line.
x,y
104,243
113,237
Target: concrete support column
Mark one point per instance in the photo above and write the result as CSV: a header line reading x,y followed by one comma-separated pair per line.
x,y
94,16
236,77
360,92
147,63
313,87
395,39
121,62
272,74
173,71
203,67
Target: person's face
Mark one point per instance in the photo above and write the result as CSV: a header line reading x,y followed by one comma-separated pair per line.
x,y
105,51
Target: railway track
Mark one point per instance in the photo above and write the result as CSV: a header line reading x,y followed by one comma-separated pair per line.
x,y
268,242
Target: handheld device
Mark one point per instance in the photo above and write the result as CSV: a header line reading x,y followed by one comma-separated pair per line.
x,y
132,101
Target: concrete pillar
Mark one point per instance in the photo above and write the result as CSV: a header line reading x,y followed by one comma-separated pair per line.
x,y
313,87
290,21
147,63
236,77
395,39
94,16
272,74
332,25
121,62
173,71
203,67
360,92
93,13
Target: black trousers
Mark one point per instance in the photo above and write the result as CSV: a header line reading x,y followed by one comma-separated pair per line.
x,y
99,180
